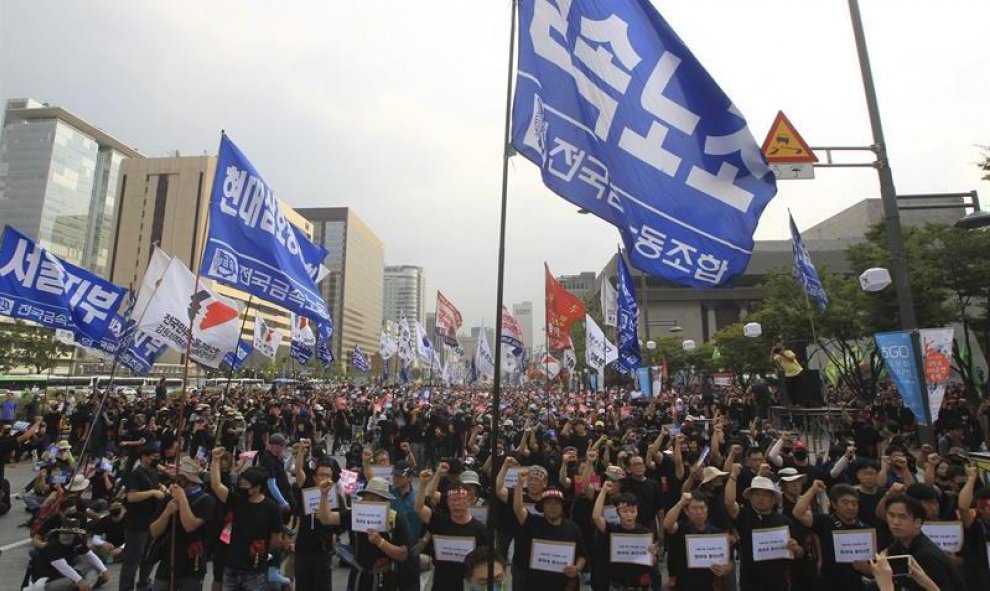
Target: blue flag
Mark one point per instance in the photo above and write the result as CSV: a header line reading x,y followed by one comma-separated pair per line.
x,y
300,352
624,122
804,270
235,360
628,321
323,332
142,353
359,361
36,285
897,352
253,247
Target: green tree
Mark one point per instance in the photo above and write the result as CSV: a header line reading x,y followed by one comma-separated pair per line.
x,y
30,345
746,357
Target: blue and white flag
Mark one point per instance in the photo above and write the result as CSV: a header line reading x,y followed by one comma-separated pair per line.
x,y
253,247
897,352
36,285
805,273
323,352
424,348
359,361
235,360
300,352
142,354
624,122
628,321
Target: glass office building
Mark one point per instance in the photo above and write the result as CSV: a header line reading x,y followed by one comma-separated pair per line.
x,y
58,181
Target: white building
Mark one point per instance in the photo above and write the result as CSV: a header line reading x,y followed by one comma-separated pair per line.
x,y
404,291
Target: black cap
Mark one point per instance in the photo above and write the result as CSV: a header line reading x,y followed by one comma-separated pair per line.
x,y
276,439
401,468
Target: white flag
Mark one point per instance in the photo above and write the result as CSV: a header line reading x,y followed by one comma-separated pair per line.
x,y
387,347
266,339
405,340
215,319
152,276
598,351
484,360
610,304
423,345
570,360
302,331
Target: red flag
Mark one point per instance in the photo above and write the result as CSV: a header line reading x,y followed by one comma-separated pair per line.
x,y
448,317
563,309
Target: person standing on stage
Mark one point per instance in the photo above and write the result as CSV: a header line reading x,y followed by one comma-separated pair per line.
x,y
787,363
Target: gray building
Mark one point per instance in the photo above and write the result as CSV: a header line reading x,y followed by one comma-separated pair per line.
x,y
580,285
58,181
353,289
404,291
523,312
668,309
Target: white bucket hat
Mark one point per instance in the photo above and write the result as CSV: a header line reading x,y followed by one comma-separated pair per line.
x,y
762,483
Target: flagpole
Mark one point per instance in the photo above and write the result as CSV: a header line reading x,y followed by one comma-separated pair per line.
x,y
500,283
230,374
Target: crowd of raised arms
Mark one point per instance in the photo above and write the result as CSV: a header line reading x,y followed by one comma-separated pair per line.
x,y
698,488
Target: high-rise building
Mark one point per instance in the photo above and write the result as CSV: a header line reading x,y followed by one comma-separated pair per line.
x,y
58,181
405,291
165,202
523,312
353,290
580,285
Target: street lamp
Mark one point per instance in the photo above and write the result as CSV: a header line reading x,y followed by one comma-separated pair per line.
x,y
973,221
651,346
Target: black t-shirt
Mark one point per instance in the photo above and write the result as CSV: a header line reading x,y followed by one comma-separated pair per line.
x,y
55,551
772,573
448,574
976,551
648,498
110,530
313,536
140,515
190,547
276,470
509,523
367,553
693,579
251,529
7,446
538,528
930,558
835,575
621,573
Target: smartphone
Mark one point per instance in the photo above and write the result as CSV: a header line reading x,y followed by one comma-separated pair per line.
x,y
900,565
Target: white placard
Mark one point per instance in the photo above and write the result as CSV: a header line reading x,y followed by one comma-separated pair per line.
x,y
771,544
611,515
479,513
852,545
367,515
705,550
551,556
311,500
947,535
385,472
531,509
631,548
452,548
512,477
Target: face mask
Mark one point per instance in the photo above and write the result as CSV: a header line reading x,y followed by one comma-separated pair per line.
x,y
801,455
66,539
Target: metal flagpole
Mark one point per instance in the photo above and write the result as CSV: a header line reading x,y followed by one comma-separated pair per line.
x,y
230,374
500,282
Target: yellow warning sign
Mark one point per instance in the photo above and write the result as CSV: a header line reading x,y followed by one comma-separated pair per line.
x,y
785,144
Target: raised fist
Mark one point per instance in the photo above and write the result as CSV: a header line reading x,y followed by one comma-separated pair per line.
x,y
511,462
366,455
425,475
819,486
217,452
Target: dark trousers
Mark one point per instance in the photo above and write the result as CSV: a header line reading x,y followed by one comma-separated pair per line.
x,y
134,564
313,571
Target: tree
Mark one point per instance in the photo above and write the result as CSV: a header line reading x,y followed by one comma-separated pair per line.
x,y
744,356
30,345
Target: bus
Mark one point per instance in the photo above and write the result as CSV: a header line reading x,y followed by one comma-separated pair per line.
x,y
43,381
235,382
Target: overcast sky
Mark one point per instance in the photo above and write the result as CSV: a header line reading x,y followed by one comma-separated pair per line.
x,y
395,108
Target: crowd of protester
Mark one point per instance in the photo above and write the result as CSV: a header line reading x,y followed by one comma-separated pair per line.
x,y
278,488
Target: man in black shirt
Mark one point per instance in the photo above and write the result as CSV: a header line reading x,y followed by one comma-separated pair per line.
x,y
278,488
255,527
548,526
9,442
905,516
314,542
845,500
976,521
68,563
143,496
452,532
193,507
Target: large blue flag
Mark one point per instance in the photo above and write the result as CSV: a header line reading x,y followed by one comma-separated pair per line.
x,y
897,352
624,122
235,359
628,320
143,352
323,332
36,285
252,246
359,361
300,352
805,273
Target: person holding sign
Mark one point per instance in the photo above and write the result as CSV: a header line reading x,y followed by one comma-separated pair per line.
x,y
631,548
557,553
976,543
532,486
455,533
314,540
765,546
695,566
377,551
845,558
